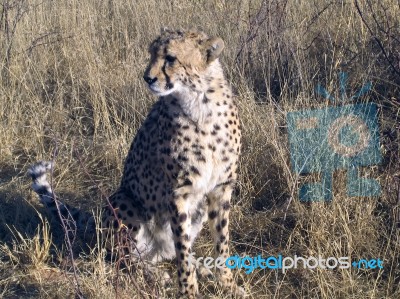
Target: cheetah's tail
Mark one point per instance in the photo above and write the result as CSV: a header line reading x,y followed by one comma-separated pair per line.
x,y
42,187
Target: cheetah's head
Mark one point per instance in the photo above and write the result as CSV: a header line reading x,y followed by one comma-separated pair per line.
x,y
181,59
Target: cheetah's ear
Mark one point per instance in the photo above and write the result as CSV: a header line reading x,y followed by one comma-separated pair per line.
x,y
214,46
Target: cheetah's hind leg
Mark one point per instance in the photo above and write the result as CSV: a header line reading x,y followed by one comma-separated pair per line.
x,y
127,235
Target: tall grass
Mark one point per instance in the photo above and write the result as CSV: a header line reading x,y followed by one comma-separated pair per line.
x,y
71,89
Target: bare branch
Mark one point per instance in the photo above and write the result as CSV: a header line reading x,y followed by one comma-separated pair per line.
x,y
378,41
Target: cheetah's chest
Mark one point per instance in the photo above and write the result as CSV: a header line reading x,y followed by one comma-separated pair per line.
x,y
205,152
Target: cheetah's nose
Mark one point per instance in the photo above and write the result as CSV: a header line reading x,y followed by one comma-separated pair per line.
x,y
149,80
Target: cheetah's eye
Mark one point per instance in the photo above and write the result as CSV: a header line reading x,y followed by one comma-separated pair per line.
x,y
170,59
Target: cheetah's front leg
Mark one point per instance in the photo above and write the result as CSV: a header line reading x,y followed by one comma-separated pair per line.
x,y
180,224
218,218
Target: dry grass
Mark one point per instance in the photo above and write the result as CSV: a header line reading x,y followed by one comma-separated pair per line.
x,y
71,86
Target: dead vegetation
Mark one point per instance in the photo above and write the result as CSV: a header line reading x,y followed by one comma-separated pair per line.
x,y
71,90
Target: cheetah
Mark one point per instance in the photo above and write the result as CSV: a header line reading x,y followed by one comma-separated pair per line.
x,y
180,170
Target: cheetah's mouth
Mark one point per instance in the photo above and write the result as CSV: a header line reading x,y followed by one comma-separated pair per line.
x,y
169,88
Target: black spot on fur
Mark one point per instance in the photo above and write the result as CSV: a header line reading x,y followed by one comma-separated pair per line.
x,y
194,170
182,217
223,223
226,205
212,214
178,245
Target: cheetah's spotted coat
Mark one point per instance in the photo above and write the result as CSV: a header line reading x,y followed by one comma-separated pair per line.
x,y
181,166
